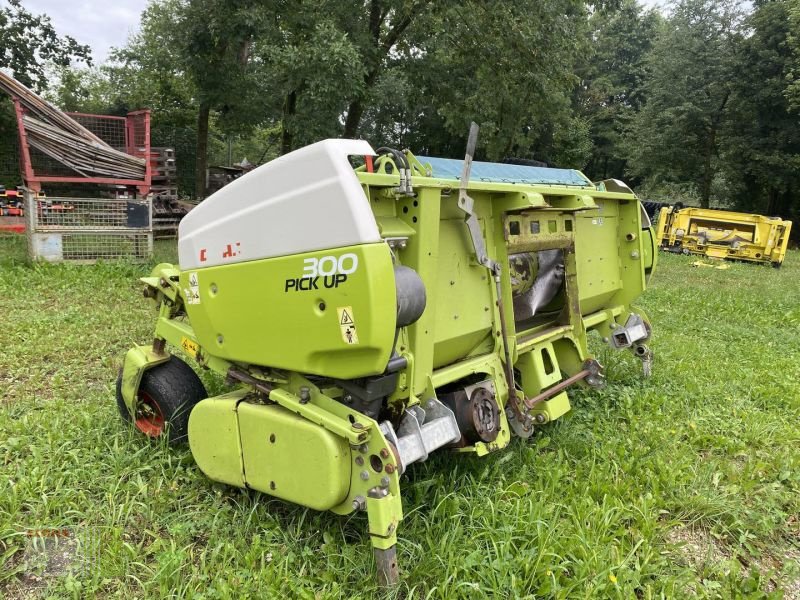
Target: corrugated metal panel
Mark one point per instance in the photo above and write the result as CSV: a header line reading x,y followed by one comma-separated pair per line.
x,y
449,168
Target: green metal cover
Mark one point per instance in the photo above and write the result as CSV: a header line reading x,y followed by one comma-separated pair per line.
x,y
292,458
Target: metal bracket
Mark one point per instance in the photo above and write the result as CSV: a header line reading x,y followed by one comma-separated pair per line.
x,y
634,330
522,424
421,431
467,204
645,354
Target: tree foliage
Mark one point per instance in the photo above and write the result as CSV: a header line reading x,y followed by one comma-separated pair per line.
x,y
793,43
149,71
676,135
762,144
611,92
29,44
698,101
501,65
376,30
309,67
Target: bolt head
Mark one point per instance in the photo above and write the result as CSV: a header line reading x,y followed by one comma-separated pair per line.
x,y
364,475
384,481
384,453
389,469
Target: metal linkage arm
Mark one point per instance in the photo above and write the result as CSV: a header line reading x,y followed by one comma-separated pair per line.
x,y
466,204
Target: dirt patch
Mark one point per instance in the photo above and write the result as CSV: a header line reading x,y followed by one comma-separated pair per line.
x,y
791,585
20,587
24,589
697,547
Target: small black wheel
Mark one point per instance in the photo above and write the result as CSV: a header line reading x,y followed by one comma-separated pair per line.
x,y
167,394
776,265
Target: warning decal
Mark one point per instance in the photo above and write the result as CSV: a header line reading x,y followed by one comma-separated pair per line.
x,y
193,293
344,316
347,324
190,347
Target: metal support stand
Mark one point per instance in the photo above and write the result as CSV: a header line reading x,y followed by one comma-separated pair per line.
x,y
386,561
645,354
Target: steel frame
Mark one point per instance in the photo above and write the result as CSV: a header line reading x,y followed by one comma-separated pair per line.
x,y
34,181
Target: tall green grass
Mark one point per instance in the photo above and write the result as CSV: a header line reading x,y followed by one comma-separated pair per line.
x,y
685,484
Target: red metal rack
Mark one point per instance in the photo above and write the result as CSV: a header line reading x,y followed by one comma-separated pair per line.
x,y
129,134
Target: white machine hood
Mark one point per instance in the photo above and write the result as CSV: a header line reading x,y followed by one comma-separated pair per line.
x,y
307,200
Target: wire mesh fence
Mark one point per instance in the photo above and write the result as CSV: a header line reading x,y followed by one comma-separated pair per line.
x,y
10,176
71,213
88,229
111,129
91,247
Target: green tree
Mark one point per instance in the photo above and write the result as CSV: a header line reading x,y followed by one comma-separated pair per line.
x,y
676,137
29,43
311,67
86,90
506,65
613,74
216,41
148,71
793,42
376,30
762,143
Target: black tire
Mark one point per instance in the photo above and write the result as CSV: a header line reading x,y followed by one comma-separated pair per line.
x,y
167,393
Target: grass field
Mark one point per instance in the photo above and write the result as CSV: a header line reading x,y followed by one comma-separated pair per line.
x,y
686,484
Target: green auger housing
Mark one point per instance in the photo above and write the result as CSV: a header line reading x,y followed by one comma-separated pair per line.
x,y
366,317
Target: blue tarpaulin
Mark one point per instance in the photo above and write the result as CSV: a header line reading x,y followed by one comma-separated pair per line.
x,y
450,168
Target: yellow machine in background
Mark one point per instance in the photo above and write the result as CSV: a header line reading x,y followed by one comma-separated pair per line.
x,y
723,234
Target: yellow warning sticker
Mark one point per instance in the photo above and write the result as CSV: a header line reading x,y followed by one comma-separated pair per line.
x,y
347,324
191,348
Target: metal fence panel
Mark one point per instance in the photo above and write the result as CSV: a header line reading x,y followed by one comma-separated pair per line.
x,y
88,229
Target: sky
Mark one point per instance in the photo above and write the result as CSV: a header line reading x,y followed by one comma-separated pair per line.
x,y
106,23
99,23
